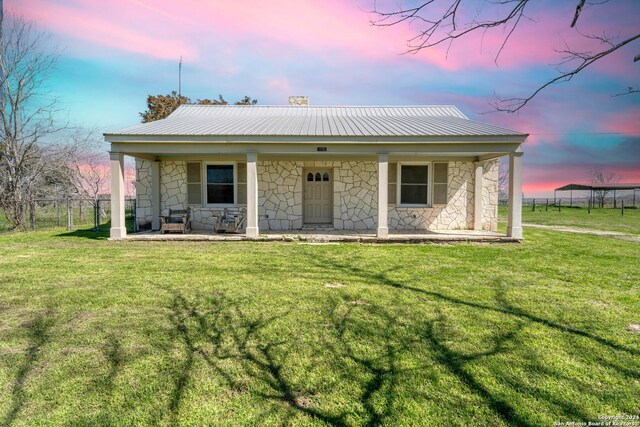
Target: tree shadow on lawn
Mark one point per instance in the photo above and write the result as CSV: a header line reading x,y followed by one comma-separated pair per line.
x,y
455,361
39,334
219,331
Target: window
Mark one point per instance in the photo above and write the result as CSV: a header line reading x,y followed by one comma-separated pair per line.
x,y
414,185
440,181
220,185
309,176
194,183
325,176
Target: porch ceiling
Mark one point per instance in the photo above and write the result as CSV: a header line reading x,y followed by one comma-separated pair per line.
x,y
308,151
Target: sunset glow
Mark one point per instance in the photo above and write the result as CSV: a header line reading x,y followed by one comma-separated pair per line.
x,y
115,53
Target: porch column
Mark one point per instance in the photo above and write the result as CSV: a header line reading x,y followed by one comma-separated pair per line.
x,y
477,194
514,225
383,196
252,195
118,229
155,195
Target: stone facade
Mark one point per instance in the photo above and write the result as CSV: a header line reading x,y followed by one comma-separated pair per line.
x,y
355,199
490,196
143,194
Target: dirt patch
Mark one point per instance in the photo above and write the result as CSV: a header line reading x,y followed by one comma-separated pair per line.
x,y
631,327
359,302
604,233
334,285
302,402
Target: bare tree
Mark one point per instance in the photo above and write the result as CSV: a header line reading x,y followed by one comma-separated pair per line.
x,y
32,164
444,22
601,176
90,166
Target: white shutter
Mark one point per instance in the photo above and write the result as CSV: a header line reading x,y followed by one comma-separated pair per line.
x,y
440,182
194,183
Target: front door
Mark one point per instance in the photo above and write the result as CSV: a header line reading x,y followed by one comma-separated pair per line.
x,y
318,192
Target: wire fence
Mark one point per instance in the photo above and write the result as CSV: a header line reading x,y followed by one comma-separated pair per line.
x,y
70,214
629,202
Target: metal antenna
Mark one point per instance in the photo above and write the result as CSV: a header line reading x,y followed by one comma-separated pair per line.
x,y
179,77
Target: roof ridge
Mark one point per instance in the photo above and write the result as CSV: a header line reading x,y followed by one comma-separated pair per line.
x,y
320,106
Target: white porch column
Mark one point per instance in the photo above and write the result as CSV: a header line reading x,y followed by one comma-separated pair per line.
x,y
514,226
477,194
383,196
118,229
155,195
252,195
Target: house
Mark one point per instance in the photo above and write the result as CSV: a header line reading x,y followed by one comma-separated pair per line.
x,y
299,166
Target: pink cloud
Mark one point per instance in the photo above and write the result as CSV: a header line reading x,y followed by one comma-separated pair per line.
x,y
626,122
541,180
86,23
335,29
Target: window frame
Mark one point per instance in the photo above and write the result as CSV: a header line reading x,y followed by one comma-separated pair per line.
x,y
429,185
205,184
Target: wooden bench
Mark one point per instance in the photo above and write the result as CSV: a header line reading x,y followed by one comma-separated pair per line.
x,y
177,220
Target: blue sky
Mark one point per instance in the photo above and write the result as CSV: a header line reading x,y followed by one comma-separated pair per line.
x,y
113,54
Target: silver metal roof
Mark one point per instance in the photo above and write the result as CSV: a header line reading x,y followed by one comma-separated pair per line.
x,y
321,121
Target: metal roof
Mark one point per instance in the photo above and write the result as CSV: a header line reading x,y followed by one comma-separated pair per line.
x,y
601,186
321,121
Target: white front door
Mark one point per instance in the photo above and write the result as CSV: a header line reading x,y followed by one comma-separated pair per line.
x,y
318,194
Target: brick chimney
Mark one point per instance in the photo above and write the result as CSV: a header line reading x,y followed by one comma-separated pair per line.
x,y
299,100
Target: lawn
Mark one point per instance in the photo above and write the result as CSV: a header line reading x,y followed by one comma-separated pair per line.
x,y
94,332
599,219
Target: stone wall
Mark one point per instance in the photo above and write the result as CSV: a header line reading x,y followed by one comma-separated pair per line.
x,y
173,186
143,194
280,195
490,196
455,215
355,199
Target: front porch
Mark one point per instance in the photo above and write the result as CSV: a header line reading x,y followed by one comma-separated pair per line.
x,y
331,236
460,194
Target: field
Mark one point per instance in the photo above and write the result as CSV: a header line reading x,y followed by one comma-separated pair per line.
x,y
94,332
599,219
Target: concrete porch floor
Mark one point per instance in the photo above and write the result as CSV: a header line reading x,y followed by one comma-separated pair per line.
x,y
328,236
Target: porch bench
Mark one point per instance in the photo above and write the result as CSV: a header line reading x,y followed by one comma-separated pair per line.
x,y
177,220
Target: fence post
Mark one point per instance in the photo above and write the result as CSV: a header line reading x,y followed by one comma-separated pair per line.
x,y
134,226
59,213
546,207
589,206
96,216
559,205
69,215
32,214
622,207
533,205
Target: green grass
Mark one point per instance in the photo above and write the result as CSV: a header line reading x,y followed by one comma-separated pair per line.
x,y
94,332
599,219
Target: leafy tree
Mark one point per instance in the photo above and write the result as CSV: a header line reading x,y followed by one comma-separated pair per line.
x,y
160,106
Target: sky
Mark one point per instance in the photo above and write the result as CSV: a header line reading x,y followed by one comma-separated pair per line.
x,y
112,54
